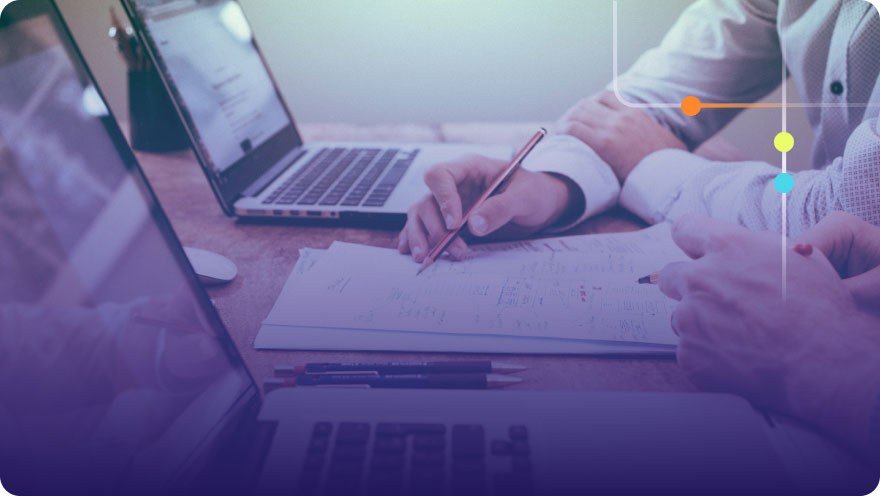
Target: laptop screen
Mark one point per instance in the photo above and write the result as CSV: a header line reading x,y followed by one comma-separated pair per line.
x,y
114,369
208,58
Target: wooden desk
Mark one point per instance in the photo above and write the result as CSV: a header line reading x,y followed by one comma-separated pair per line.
x,y
265,255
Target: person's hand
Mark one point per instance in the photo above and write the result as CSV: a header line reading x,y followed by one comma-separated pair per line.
x,y
811,354
531,202
622,136
853,247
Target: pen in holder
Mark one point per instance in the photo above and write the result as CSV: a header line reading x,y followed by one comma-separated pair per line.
x,y
155,124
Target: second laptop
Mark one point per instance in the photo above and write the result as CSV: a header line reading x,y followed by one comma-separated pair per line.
x,y
245,137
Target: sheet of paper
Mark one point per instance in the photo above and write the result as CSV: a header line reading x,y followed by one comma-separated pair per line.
x,y
655,240
272,337
583,295
308,258
285,337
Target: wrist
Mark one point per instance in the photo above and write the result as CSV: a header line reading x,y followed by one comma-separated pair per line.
x,y
567,199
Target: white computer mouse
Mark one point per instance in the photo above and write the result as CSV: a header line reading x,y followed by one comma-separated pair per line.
x,y
213,269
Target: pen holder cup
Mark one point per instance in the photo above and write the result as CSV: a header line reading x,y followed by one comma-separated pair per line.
x,y
155,124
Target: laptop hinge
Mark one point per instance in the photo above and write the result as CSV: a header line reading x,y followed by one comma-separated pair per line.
x,y
272,174
238,461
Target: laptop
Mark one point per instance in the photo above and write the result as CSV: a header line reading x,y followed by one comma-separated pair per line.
x,y
245,137
117,376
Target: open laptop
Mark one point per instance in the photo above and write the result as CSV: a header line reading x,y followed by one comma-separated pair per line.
x,y
117,375
246,139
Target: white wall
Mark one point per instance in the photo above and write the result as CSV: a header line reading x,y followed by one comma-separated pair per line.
x,y
430,61
441,60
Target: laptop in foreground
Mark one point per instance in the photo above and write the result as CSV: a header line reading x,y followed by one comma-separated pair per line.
x,y
118,376
245,137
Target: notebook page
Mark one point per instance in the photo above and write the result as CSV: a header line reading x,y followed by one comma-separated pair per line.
x,y
514,292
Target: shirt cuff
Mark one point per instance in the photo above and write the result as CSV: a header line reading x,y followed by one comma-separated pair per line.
x,y
569,157
653,187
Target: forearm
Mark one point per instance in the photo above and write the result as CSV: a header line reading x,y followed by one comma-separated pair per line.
x,y
670,183
719,51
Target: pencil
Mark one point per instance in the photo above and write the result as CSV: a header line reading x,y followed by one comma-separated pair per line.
x,y
650,279
497,187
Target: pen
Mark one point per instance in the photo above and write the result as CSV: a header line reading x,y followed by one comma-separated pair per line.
x,y
456,367
405,381
654,278
497,187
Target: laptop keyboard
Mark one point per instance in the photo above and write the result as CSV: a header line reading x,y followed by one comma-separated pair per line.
x,y
350,177
388,459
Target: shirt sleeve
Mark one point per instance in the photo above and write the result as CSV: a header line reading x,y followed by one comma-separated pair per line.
x,y
570,158
721,51
670,183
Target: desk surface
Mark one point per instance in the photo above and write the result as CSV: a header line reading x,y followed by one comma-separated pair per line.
x,y
265,255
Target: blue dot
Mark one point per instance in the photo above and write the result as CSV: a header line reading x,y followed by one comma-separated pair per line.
x,y
784,183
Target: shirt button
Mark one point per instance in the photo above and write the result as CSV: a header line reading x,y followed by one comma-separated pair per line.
x,y
837,88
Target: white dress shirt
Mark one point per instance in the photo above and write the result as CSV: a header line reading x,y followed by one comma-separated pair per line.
x,y
733,51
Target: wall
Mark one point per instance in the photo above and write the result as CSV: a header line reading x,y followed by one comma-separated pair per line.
x,y
428,61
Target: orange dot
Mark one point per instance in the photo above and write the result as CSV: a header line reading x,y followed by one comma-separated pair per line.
x,y
691,106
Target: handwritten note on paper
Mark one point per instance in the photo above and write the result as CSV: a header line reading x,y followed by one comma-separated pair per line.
x,y
308,259
588,295
654,241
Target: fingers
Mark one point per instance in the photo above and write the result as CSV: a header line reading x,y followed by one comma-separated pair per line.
x,y
435,228
597,116
610,100
443,185
680,320
431,217
446,179
834,236
691,354
586,121
591,112
424,229
576,129
458,250
673,280
494,214
418,239
696,235
403,243
865,288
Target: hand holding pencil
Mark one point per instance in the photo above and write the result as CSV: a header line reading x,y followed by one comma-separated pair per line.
x,y
496,187
530,202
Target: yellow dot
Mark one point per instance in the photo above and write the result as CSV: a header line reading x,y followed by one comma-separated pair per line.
x,y
784,142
